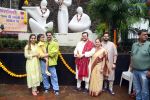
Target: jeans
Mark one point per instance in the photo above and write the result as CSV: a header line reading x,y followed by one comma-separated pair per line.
x,y
53,77
140,82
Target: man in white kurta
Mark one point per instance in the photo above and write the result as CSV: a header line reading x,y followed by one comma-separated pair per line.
x,y
112,57
78,53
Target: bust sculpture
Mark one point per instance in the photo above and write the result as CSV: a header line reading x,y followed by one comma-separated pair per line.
x,y
80,22
39,16
63,15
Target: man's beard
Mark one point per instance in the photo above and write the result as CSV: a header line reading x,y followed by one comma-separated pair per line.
x,y
105,40
49,39
85,40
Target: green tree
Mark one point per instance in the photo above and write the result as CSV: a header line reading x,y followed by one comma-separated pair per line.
x,y
116,14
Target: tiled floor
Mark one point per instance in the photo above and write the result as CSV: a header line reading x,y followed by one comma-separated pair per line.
x,y
21,92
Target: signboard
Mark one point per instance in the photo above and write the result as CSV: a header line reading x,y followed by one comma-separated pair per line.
x,y
13,20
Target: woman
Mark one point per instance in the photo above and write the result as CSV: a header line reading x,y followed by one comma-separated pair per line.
x,y
99,69
32,65
43,55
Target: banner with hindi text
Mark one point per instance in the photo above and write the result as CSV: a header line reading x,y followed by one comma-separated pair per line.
x,y
13,20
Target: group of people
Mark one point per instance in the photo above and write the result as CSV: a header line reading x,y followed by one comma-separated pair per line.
x,y
41,61
95,64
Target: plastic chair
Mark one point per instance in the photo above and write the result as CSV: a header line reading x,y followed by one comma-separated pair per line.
x,y
127,75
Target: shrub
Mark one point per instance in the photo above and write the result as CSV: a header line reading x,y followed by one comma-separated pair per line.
x,y
12,44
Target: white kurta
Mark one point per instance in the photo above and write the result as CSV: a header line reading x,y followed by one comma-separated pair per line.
x,y
112,51
79,49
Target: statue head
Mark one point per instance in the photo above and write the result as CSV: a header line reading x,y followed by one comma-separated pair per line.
x,y
79,10
43,3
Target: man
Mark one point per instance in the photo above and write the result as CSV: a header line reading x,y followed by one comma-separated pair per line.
x,y
112,57
82,61
52,48
140,63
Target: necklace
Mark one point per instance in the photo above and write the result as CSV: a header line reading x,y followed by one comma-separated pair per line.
x,y
60,2
43,12
79,17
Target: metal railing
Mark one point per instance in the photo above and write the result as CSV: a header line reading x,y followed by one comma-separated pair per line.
x,y
13,4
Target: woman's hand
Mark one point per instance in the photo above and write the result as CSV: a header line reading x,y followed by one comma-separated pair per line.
x,y
35,55
113,66
46,55
101,71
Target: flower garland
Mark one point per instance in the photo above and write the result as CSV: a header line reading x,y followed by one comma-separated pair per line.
x,y
64,62
24,75
43,12
26,2
79,17
25,18
11,73
60,2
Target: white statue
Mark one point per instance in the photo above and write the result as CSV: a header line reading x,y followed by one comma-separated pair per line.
x,y
63,15
39,16
80,22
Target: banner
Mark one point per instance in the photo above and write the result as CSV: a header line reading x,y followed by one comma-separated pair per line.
x,y
13,20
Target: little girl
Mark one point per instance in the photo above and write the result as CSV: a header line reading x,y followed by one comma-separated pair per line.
x,y
42,51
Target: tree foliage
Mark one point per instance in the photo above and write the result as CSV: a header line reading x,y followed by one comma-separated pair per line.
x,y
116,14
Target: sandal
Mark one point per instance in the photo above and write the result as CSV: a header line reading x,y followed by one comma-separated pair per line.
x,y
37,92
34,93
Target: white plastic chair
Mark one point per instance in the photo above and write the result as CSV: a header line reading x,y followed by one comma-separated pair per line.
x,y
127,75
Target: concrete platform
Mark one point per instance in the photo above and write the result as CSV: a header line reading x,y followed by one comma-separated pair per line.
x,y
21,92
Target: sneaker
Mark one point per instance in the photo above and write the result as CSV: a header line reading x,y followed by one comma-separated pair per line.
x,y
104,89
111,92
85,91
78,89
56,92
48,73
46,91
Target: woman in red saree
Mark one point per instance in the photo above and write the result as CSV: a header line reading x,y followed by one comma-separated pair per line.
x,y
99,69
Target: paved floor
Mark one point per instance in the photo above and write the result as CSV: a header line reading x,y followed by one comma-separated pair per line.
x,y
21,92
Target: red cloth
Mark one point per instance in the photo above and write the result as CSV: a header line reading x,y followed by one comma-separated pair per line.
x,y
82,63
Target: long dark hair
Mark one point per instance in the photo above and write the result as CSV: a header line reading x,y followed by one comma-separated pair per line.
x,y
29,42
39,36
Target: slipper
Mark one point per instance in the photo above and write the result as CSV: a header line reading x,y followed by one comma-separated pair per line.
x,y
34,93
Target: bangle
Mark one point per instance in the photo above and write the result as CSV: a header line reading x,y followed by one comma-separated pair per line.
x,y
114,63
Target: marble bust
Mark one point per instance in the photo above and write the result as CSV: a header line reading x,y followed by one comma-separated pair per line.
x,y
80,22
39,16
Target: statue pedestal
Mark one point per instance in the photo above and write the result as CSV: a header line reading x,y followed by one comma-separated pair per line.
x,y
64,39
71,39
